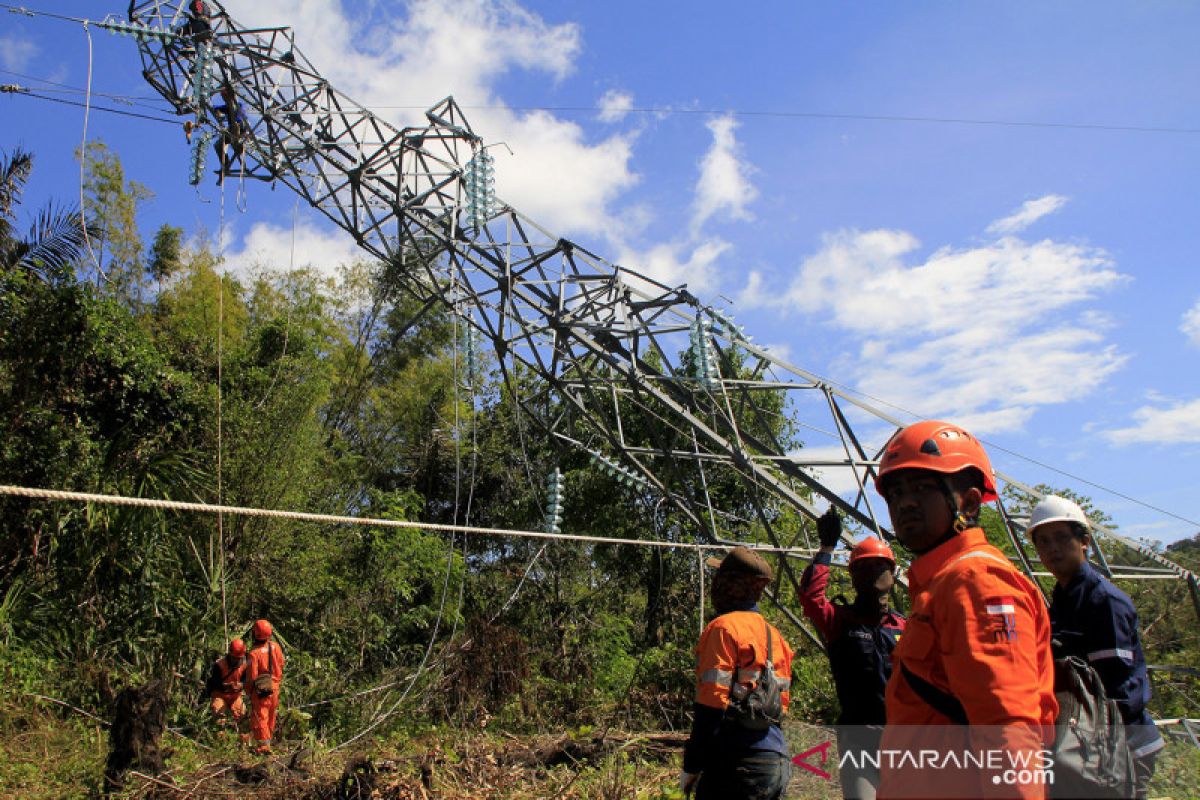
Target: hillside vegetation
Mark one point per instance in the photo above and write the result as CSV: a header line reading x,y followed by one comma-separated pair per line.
x,y
140,367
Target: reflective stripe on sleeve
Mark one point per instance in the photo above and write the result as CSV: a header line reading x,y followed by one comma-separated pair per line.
x,y
1118,652
1147,749
720,677
747,675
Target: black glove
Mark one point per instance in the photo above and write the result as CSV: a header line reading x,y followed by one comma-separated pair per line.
x,y
829,528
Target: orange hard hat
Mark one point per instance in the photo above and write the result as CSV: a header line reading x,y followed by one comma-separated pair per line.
x,y
237,648
262,630
872,547
938,447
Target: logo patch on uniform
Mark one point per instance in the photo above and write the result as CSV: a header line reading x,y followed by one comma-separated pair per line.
x,y
1002,617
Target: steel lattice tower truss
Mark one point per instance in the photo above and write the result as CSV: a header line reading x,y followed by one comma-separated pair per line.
x,y
609,344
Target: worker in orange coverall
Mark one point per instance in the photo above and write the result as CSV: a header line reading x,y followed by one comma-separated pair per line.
x,y
743,673
225,683
264,674
970,704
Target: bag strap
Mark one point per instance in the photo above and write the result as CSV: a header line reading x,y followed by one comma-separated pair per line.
x,y
944,703
770,659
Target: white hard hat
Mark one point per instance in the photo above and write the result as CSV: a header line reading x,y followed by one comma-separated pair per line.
x,y
1056,509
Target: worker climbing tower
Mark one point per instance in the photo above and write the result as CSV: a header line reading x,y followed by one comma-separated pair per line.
x,y
608,343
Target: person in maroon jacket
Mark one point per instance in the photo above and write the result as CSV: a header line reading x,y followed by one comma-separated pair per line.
x,y
859,639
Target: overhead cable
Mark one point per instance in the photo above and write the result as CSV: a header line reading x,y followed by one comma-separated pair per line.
x,y
23,92
760,113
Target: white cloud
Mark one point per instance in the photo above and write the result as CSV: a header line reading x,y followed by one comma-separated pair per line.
x,y
693,258
1175,423
724,183
840,479
1029,212
559,180
754,293
463,48
781,350
17,54
676,263
269,247
986,383
983,335
862,279
1191,324
614,105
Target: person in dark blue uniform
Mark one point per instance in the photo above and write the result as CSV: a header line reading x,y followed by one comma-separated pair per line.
x,y
859,639
1096,622
235,127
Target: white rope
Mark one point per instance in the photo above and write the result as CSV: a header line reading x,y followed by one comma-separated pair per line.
x,y
363,693
334,519
220,421
462,584
288,301
83,151
412,681
513,597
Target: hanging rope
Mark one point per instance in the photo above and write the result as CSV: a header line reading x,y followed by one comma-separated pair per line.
x,y
462,584
379,720
287,323
220,390
83,152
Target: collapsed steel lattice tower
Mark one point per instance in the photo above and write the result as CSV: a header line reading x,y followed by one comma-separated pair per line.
x,y
604,339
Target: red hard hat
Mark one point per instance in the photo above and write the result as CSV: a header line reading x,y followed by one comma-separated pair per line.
x,y
237,648
937,447
262,630
872,547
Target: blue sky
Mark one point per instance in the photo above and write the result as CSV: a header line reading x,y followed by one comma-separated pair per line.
x,y
1035,283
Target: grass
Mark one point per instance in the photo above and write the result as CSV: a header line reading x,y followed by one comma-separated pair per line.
x,y
48,755
45,757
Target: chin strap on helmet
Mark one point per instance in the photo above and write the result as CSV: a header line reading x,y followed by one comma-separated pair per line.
x,y
961,520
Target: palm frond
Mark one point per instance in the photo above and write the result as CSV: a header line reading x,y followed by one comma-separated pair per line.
x,y
14,172
54,243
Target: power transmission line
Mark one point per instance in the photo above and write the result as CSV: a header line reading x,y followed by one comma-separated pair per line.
x,y
753,113
23,92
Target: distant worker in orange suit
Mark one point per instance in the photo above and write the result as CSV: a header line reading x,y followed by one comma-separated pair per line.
x,y
973,671
264,674
225,683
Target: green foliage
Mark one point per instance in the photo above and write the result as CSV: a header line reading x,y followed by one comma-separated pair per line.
x,y
110,203
166,257
814,696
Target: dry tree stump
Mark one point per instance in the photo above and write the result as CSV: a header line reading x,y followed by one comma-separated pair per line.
x,y
134,741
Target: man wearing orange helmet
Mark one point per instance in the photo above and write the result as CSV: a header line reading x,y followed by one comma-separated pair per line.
x,y
225,683
973,671
264,673
859,639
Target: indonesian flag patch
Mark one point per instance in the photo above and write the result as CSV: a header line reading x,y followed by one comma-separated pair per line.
x,y
1002,617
